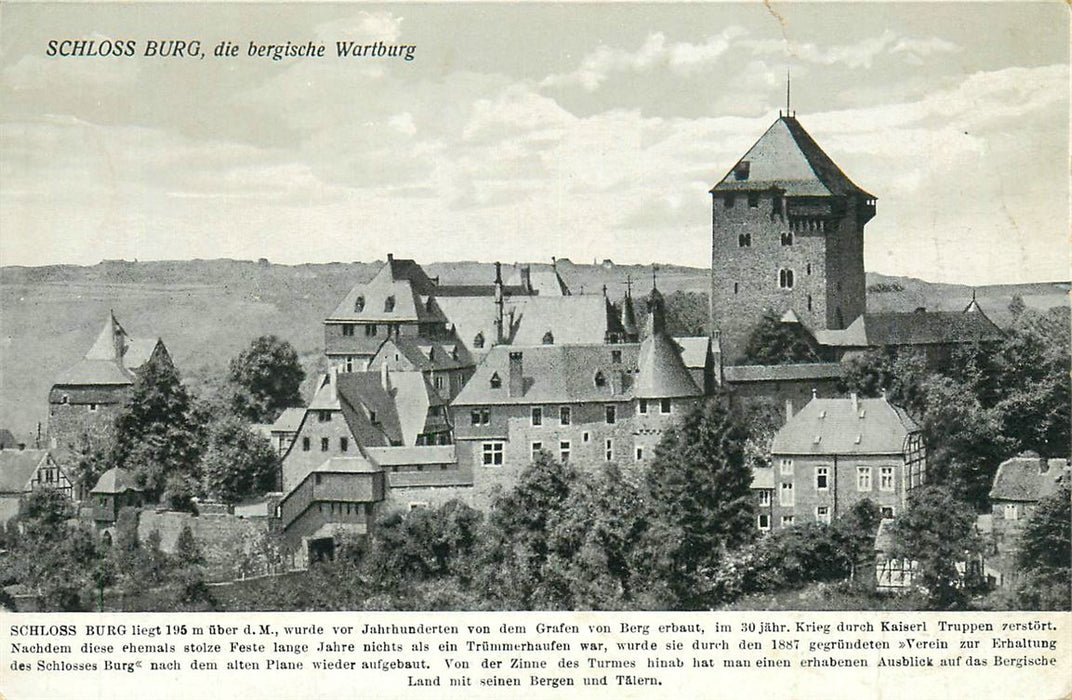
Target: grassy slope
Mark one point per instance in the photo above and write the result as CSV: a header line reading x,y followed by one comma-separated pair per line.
x,y
208,311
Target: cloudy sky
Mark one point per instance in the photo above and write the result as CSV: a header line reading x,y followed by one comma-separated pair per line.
x,y
522,132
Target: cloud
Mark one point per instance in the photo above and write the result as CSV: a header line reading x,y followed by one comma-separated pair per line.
x,y
858,54
364,26
680,57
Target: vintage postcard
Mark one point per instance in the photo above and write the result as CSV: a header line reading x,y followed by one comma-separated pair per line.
x,y
734,337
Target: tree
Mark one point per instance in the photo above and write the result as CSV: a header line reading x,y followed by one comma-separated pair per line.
x,y
156,435
938,531
266,378
700,500
515,544
1045,555
238,463
595,543
774,342
53,556
686,313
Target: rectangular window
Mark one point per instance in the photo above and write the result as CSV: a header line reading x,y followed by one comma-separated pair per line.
x,y
537,447
565,415
822,478
492,453
323,416
438,382
611,412
642,406
886,512
664,406
485,416
537,415
787,521
370,330
639,453
324,444
787,467
1010,512
92,408
474,416
764,498
616,357
349,364
863,478
822,514
305,444
763,521
564,451
885,482
609,450
585,437
753,199
347,329
744,240
785,496
344,444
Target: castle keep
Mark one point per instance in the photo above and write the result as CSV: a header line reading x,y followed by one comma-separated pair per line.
x,y
787,230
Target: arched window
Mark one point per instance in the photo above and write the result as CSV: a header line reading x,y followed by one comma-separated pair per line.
x,y
787,238
548,338
496,381
359,304
478,340
785,278
601,381
744,240
389,304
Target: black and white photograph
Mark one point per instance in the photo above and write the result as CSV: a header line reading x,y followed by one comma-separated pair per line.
x,y
755,306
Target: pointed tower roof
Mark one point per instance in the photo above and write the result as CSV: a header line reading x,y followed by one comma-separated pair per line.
x,y
112,357
786,157
629,321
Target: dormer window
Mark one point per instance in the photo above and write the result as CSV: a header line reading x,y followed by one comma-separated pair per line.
x,y
389,304
741,170
496,380
478,340
372,416
548,338
428,305
601,381
359,304
431,354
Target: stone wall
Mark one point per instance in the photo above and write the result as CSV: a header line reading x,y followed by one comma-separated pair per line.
x,y
233,547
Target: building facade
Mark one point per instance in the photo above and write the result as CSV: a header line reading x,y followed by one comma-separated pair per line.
x,y
837,452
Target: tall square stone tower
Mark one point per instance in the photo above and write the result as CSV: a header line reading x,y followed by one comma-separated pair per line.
x,y
787,233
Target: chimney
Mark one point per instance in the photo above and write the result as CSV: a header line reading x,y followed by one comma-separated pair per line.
x,y
855,402
385,377
22,446
814,394
517,377
788,409
390,257
333,381
526,278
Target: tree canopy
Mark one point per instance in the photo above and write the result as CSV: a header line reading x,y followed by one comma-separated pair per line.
x,y
774,342
238,463
265,379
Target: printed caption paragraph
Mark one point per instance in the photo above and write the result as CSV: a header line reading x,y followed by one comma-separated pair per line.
x,y
554,654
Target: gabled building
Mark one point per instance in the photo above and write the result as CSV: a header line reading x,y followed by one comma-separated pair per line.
x,y
445,366
1019,484
836,452
591,403
21,472
352,412
114,490
935,333
787,233
85,400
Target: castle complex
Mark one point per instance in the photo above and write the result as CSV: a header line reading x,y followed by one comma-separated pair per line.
x,y
438,391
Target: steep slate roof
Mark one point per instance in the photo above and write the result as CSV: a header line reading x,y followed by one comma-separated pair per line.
x,y
788,158
416,351
1028,479
694,350
6,438
115,480
845,426
544,279
405,281
288,421
17,468
662,373
350,465
555,374
780,373
573,319
111,359
913,328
